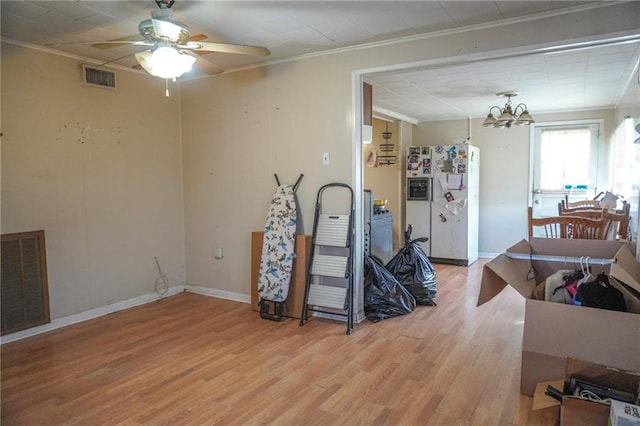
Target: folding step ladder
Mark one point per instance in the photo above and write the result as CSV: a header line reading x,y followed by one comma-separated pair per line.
x,y
330,274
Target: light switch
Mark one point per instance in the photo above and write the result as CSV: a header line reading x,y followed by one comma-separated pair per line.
x,y
217,253
325,159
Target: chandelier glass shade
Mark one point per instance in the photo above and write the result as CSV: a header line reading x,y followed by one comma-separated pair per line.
x,y
165,61
508,115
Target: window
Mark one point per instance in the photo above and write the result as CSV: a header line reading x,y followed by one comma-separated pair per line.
x,y
564,163
564,159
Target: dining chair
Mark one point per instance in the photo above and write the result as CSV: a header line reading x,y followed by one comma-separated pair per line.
x,y
580,203
572,227
589,212
616,226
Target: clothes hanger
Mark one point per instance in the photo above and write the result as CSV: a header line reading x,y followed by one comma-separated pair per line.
x,y
587,270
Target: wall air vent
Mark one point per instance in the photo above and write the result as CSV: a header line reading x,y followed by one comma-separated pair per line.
x,y
23,288
99,78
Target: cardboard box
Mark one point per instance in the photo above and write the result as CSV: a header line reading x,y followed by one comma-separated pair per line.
x,y
544,405
293,304
580,412
555,331
571,412
575,411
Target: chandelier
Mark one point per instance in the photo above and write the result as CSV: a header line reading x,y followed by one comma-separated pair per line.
x,y
508,116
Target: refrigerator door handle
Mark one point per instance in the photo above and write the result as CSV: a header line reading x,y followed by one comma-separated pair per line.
x,y
430,189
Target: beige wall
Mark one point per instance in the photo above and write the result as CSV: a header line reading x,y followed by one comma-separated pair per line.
x,y
99,170
112,203
240,128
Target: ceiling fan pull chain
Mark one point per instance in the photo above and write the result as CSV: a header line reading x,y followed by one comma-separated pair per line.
x,y
166,87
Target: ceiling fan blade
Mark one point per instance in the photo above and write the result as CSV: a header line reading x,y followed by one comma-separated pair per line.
x,y
115,60
240,49
204,65
79,43
197,37
114,42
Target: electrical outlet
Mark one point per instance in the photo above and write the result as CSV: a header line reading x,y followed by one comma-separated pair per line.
x,y
325,159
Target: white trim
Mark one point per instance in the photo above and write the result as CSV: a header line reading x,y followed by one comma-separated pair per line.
x,y
219,294
121,306
388,113
485,255
141,300
442,33
90,314
97,63
357,186
553,47
384,118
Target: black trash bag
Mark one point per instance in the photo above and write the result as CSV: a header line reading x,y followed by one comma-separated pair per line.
x,y
413,269
384,297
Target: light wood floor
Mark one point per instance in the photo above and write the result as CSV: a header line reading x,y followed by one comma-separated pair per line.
x,y
191,359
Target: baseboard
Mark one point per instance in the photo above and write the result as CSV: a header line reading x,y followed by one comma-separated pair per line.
x,y
485,255
90,314
220,294
141,300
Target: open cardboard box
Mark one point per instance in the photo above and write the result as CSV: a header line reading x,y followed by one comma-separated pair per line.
x,y
555,331
578,411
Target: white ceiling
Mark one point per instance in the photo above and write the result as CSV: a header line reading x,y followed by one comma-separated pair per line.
x,y
582,79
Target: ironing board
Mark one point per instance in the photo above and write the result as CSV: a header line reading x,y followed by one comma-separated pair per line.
x,y
277,255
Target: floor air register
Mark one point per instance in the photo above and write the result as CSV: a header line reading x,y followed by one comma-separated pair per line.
x,y
329,287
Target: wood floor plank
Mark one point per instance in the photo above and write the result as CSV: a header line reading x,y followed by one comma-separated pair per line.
x,y
191,360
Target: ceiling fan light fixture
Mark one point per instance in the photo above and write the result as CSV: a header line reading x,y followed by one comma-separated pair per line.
x,y
173,49
165,62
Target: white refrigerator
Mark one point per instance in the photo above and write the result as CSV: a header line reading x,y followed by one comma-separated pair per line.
x,y
442,203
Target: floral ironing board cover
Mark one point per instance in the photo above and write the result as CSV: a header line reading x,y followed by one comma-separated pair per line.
x,y
278,246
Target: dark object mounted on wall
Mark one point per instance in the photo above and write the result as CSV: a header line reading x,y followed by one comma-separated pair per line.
x,y
386,148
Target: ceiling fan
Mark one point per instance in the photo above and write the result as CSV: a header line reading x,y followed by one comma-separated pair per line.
x,y
173,49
